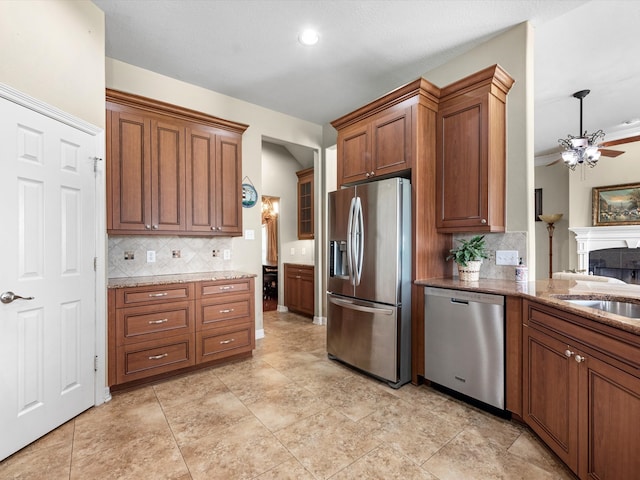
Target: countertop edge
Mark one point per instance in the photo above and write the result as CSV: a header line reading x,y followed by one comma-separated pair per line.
x,y
145,281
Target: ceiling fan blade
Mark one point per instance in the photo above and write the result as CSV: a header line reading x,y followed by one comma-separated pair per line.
x,y
610,153
621,141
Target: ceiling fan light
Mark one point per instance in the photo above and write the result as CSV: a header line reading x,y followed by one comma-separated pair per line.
x,y
570,157
594,156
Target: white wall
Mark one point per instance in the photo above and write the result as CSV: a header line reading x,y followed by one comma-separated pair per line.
x,y
54,51
246,254
554,181
513,51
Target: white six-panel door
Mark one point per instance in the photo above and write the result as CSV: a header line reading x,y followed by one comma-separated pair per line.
x,y
47,247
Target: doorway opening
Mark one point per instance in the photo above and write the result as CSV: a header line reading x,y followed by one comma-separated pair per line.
x,y
270,213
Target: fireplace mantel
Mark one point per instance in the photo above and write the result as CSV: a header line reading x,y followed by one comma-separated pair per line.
x,y
598,238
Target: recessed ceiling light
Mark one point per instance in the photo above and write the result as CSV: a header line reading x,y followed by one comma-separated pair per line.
x,y
308,37
633,121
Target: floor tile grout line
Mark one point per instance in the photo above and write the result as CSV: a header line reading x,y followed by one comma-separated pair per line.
x,y
173,435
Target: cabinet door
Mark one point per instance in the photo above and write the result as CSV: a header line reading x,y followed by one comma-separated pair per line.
x,y
610,409
305,204
391,150
229,187
354,153
167,176
306,290
130,171
550,394
201,180
462,166
291,289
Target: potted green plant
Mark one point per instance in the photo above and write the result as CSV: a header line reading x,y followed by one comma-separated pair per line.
x,y
469,255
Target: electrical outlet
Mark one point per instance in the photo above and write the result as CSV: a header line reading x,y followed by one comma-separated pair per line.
x,y
215,253
292,251
507,257
303,251
151,256
249,234
175,253
226,254
128,255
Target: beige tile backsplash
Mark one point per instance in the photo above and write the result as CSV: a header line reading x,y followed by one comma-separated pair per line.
x,y
196,255
498,241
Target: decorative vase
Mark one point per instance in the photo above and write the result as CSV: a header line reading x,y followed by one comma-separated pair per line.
x,y
470,272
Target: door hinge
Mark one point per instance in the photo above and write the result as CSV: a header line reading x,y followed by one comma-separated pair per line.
x,y
95,363
95,163
95,264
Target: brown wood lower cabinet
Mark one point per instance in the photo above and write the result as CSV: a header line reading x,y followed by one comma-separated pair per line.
x,y
299,288
581,391
158,329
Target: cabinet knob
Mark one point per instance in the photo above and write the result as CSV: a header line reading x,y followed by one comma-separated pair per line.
x,y
366,174
483,221
148,227
579,358
373,173
568,353
155,227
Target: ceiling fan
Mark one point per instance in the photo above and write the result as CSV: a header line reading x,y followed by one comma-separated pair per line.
x,y
584,148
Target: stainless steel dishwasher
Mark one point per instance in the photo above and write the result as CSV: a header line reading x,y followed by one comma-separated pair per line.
x,y
464,343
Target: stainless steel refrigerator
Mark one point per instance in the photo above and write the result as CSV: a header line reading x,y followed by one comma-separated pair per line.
x,y
369,285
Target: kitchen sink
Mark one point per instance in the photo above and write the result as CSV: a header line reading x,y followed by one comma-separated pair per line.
x,y
626,309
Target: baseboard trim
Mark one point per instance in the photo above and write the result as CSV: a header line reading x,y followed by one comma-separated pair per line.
x,y
319,320
282,308
259,333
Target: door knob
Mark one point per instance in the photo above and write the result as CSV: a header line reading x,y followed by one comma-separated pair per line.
x,y
8,297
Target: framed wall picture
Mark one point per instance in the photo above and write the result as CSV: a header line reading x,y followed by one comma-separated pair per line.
x,y
616,205
538,204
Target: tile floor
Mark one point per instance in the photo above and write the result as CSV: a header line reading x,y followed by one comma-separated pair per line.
x,y
286,413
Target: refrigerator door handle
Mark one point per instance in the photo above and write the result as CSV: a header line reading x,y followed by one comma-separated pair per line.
x,y
350,234
359,237
360,308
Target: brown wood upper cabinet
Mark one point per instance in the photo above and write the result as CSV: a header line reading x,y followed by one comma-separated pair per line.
x,y
306,215
376,146
471,153
171,170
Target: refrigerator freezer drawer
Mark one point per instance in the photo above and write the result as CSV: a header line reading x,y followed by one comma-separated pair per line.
x,y
364,335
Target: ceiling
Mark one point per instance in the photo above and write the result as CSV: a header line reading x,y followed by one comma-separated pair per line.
x,y
248,49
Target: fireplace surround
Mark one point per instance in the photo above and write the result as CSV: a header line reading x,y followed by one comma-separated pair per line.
x,y
617,247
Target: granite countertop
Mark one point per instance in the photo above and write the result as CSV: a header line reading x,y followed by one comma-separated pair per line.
x,y
122,282
552,292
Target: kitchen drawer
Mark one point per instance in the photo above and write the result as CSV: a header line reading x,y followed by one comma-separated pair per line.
x,y
221,287
151,322
153,294
220,343
224,311
145,359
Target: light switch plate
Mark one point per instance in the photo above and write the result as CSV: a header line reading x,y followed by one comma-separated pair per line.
x,y
249,234
507,257
226,254
151,256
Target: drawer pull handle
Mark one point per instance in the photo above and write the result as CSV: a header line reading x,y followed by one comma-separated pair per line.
x,y
227,287
163,294
228,310
155,322
158,357
224,342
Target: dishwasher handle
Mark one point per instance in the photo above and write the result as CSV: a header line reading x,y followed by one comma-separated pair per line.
x,y
459,301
